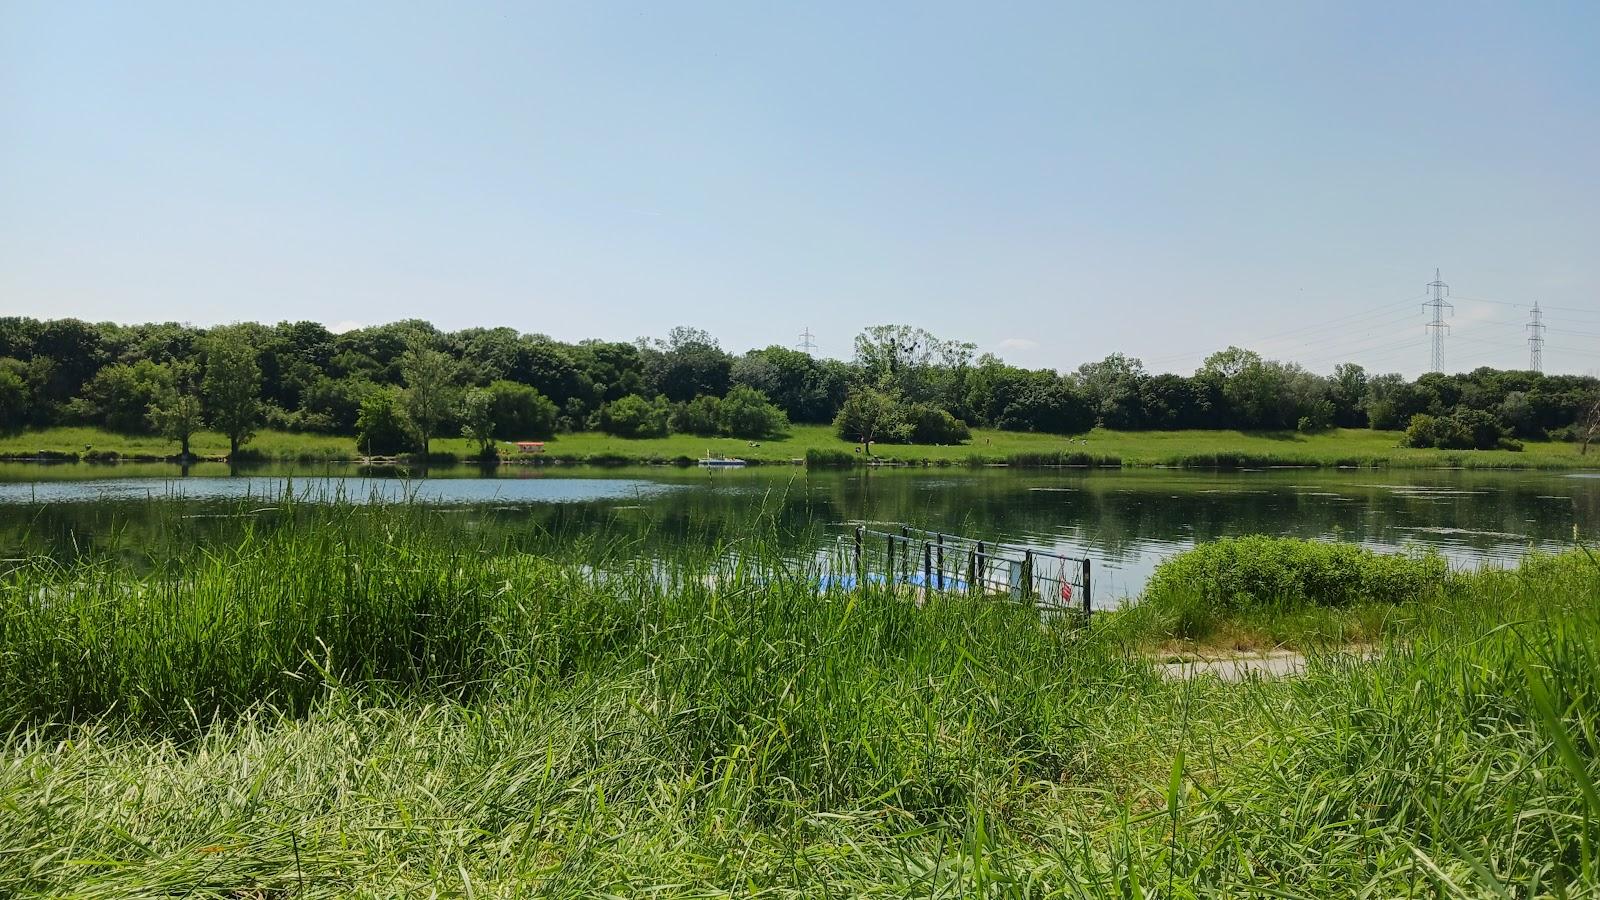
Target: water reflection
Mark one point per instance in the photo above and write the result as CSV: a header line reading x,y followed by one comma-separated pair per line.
x,y
1126,520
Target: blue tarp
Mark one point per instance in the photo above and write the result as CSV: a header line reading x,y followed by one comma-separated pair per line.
x,y
915,579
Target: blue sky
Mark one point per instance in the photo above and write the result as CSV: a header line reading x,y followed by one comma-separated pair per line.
x,y
1052,181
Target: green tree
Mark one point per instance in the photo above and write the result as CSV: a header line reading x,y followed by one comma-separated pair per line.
x,y
1051,407
232,386
330,405
913,363
746,413
430,391
701,416
806,389
477,420
177,419
1519,414
16,398
635,417
521,413
1348,394
870,415
119,396
688,364
382,428
613,368
1113,389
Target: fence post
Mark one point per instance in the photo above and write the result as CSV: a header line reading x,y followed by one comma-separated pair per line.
x,y
1088,607
1027,574
927,568
859,573
888,566
907,563
978,570
940,539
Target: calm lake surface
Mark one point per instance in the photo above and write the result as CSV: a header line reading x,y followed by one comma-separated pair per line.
x,y
1126,520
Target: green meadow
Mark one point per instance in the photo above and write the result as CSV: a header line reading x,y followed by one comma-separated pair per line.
x,y
1197,449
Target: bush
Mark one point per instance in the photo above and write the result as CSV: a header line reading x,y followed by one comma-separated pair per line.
x,y
635,417
1235,574
1051,459
382,427
932,425
520,413
702,416
830,459
1467,429
745,413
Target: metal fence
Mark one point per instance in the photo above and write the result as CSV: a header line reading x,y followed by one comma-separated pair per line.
x,y
935,561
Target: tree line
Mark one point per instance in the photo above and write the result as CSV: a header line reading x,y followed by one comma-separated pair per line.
x,y
397,386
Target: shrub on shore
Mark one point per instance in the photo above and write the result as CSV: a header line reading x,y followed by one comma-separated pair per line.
x,y
1239,574
830,459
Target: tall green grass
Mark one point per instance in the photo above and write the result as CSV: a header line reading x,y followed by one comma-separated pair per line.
x,y
383,701
1258,578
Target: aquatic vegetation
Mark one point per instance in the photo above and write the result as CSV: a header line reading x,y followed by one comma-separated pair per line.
x,y
1236,573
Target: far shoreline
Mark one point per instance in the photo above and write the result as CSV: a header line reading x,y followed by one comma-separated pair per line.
x,y
816,446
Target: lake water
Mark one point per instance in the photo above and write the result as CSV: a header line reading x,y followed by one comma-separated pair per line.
x,y
1126,520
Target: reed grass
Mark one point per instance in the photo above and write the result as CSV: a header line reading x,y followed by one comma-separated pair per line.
x,y
379,701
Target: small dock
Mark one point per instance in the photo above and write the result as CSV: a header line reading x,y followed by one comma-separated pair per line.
x,y
936,561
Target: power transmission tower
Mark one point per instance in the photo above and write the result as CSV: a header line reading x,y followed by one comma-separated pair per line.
x,y
1536,339
805,341
1437,327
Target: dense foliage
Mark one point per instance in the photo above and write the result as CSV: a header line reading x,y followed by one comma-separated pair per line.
x,y
1233,574
902,385
1466,429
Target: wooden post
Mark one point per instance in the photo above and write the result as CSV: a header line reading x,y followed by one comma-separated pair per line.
x,y
859,529
940,539
1027,574
927,567
978,569
888,567
1088,607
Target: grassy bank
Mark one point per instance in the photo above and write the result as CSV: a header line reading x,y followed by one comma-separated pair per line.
x,y
1194,449
378,702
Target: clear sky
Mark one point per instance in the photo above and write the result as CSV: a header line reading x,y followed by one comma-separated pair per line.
x,y
1052,181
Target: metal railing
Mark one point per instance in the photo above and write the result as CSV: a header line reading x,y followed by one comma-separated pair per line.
x,y
935,561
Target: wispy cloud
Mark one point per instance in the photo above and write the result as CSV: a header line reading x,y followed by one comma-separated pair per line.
x,y
1017,344
342,327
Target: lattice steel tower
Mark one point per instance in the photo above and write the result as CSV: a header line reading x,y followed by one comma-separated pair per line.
x,y
1437,327
806,341
1535,328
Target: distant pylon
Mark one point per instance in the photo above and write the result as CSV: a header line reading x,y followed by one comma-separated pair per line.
x,y
1437,327
805,341
1535,328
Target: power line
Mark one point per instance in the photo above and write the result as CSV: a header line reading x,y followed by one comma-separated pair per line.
x,y
1369,351
1437,327
1348,347
1382,312
1572,309
1536,339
